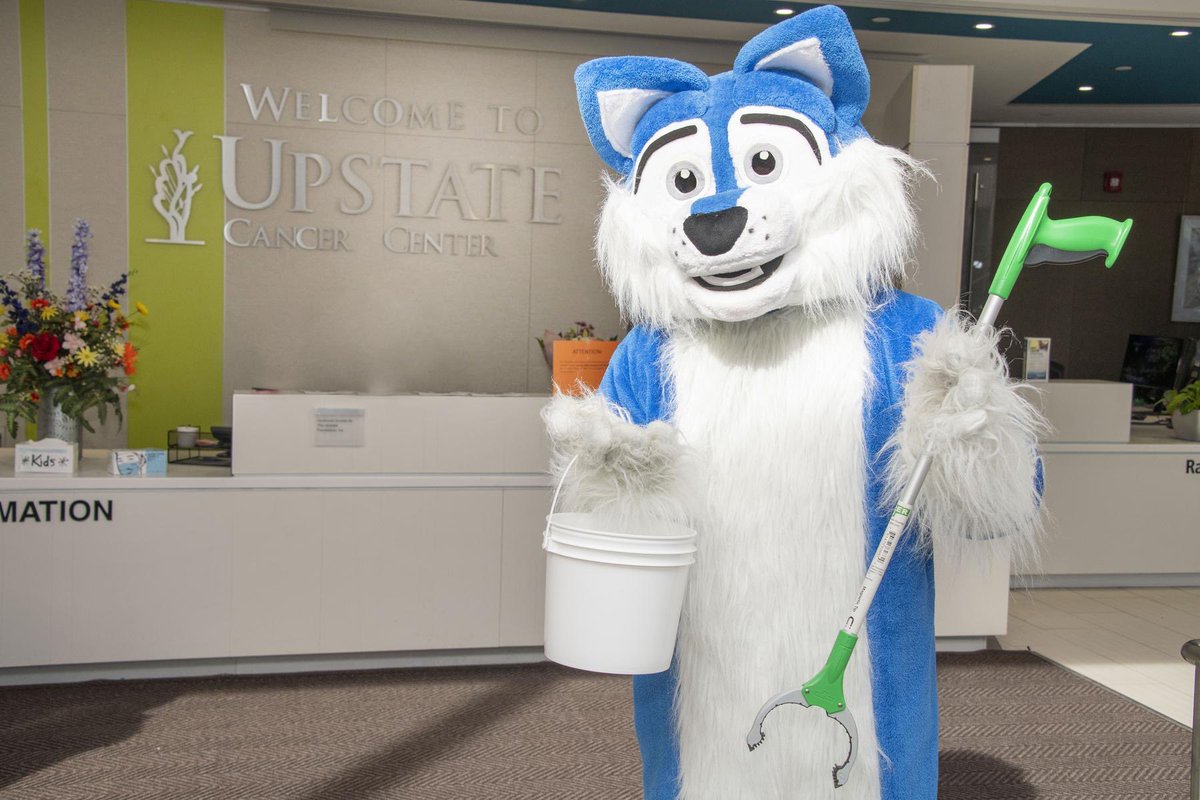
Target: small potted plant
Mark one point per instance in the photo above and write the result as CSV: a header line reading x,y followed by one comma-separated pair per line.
x,y
577,356
1184,407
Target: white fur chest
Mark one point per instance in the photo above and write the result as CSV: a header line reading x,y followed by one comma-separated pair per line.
x,y
773,409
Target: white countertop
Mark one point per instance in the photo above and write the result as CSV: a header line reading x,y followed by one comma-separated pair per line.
x,y
1142,439
93,475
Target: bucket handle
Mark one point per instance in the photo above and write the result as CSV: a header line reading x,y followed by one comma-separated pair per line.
x,y
554,503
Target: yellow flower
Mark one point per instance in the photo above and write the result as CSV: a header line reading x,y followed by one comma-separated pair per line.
x,y
113,304
141,307
118,347
82,316
86,356
49,312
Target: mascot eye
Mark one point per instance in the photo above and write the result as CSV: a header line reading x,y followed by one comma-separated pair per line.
x,y
763,163
685,181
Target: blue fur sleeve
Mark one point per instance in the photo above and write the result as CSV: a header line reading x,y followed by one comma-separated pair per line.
x,y
635,379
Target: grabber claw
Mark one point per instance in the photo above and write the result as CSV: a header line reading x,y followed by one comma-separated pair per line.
x,y
825,692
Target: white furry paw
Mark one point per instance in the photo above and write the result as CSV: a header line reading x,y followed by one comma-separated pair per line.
x,y
961,408
619,467
958,393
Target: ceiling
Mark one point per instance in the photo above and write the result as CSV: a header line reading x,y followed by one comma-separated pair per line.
x,y
1028,66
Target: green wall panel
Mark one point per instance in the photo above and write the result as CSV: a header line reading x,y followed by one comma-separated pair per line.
x,y
34,118
175,81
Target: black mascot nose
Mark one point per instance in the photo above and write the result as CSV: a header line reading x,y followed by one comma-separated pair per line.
x,y
714,233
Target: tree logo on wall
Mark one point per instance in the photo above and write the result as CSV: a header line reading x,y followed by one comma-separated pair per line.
x,y
174,188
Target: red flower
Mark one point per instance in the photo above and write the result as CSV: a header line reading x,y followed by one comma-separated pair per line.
x,y
11,331
34,396
5,372
45,346
39,303
25,341
128,356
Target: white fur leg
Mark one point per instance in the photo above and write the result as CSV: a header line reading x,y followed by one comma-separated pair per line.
x,y
960,406
620,468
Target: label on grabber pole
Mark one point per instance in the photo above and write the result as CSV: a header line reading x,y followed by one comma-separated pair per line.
x,y
879,565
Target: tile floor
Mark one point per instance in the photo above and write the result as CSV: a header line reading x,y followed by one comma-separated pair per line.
x,y
1125,639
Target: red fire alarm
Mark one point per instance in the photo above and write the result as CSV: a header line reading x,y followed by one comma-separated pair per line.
x,y
1112,181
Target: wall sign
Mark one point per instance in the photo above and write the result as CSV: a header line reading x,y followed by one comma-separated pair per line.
x,y
174,188
468,191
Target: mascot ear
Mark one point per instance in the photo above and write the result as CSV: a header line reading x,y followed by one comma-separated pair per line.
x,y
818,46
615,93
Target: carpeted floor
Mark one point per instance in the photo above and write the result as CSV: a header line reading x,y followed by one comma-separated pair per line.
x,y
1013,726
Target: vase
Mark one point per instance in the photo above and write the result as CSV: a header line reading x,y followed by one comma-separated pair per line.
x,y
1186,426
53,423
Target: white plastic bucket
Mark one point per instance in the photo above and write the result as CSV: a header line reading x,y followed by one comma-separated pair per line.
x,y
614,593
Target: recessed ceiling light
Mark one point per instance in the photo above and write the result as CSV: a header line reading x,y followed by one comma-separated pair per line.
x,y
1122,68
987,158
785,12
881,20
1086,88
1181,33
984,26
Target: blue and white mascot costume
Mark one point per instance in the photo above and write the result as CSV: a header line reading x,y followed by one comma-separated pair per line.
x,y
773,393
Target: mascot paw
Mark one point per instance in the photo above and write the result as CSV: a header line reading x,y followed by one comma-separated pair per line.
x,y
619,467
958,391
961,408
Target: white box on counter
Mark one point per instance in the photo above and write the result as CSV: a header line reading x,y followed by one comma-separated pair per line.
x,y
301,433
1086,411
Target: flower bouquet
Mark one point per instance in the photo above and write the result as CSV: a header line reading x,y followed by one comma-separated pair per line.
x,y
69,354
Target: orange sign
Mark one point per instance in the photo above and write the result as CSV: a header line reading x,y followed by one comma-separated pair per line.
x,y
580,361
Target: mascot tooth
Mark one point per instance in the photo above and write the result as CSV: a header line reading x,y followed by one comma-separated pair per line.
x,y
774,387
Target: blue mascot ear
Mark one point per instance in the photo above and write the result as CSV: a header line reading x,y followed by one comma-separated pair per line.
x,y
819,46
614,93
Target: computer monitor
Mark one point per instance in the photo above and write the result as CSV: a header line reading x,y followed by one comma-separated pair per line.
x,y
1152,365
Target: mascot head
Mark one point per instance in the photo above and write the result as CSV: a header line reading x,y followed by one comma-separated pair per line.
x,y
749,191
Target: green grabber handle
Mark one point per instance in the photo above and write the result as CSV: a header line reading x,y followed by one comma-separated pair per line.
x,y
1037,239
1079,235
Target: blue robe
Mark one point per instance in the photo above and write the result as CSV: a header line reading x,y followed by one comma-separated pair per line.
x,y
900,622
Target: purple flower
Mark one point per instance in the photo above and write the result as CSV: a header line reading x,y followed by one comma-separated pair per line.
x,y
35,257
77,284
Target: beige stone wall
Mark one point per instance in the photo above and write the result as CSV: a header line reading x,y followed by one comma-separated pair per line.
x,y
85,86
379,321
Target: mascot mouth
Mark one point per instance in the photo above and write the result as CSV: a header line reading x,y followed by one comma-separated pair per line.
x,y
741,279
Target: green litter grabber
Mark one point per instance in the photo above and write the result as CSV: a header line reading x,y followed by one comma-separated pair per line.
x,y
1037,240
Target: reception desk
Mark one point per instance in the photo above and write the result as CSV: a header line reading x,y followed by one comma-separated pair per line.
x,y
212,570
1122,514
1123,500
